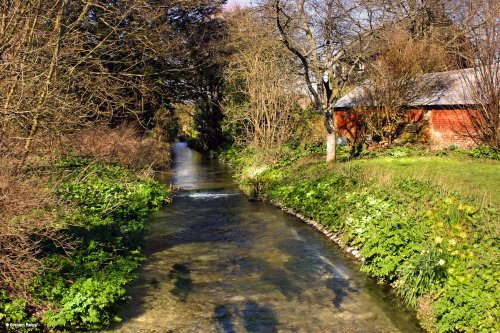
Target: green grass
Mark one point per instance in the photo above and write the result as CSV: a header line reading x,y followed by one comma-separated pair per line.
x,y
475,178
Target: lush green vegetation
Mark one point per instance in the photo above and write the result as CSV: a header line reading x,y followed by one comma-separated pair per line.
x,y
103,208
436,243
473,178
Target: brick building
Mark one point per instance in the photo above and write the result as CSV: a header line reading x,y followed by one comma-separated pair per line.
x,y
446,111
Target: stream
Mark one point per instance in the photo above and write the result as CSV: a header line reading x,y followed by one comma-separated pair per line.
x,y
217,262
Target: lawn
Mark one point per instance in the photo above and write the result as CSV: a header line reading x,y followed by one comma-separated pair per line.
x,y
476,178
473,178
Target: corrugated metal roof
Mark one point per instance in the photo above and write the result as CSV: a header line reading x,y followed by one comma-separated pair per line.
x,y
453,89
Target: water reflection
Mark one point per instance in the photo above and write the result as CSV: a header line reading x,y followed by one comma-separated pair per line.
x,y
219,263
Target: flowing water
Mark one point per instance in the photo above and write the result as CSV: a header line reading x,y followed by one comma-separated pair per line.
x,y
218,262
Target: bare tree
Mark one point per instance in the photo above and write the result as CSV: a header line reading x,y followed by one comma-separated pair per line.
x,y
482,83
395,79
329,40
67,64
263,89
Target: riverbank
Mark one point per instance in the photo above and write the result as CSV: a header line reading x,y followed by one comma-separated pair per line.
x,y
72,229
218,262
417,230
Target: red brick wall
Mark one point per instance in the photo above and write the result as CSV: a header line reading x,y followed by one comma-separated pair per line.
x,y
446,127
450,127
346,123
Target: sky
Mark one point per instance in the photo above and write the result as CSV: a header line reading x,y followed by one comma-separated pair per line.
x,y
238,2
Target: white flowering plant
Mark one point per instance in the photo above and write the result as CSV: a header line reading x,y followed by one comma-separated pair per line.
x,y
424,274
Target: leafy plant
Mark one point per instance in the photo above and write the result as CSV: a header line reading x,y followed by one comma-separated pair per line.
x,y
485,152
15,311
106,207
90,302
424,273
469,300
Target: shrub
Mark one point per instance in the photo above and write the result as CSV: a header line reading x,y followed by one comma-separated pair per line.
x,y
74,249
103,208
486,152
27,225
108,206
123,144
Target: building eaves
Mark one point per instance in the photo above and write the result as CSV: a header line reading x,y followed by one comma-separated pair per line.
x,y
453,88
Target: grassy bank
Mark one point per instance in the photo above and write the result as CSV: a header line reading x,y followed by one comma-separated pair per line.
x,y
85,253
471,178
426,225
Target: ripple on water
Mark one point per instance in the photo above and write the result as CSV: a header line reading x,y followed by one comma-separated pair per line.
x,y
219,263
209,195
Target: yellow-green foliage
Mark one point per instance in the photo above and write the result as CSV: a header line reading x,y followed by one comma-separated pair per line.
x,y
430,244
105,209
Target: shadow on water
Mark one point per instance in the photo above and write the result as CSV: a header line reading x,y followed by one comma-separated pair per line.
x,y
259,319
256,318
341,289
183,283
202,226
307,266
224,318
282,280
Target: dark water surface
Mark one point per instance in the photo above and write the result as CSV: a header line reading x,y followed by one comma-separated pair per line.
x,y
220,263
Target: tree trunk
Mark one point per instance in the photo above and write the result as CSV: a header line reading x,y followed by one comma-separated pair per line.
x,y
331,137
331,146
